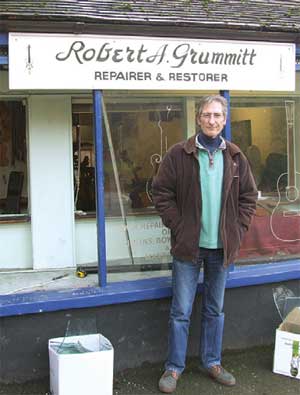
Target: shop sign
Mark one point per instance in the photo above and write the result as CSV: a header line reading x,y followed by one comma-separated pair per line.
x,y
51,61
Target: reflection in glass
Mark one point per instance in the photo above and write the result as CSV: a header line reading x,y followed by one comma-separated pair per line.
x,y
137,134
140,135
13,158
267,130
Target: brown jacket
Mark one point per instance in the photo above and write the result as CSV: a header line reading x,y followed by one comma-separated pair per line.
x,y
177,198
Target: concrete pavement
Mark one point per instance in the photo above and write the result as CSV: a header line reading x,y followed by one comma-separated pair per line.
x,y
252,369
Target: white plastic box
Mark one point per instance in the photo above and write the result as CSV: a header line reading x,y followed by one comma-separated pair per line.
x,y
287,337
89,373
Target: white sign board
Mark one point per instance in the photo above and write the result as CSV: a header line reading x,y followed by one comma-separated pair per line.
x,y
51,61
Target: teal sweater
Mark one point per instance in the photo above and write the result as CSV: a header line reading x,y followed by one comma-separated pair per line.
x,y
211,181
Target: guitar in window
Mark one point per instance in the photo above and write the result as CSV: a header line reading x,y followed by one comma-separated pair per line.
x,y
285,217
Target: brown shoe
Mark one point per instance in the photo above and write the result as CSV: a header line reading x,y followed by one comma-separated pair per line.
x,y
218,373
168,382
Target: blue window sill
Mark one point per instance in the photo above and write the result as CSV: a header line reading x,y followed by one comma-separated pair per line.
x,y
133,291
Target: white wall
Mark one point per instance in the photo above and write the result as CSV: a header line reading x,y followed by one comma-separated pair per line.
x,y
15,246
51,183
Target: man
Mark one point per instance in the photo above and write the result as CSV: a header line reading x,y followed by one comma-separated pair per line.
x,y
205,193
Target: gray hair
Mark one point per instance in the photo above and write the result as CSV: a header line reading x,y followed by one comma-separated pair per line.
x,y
210,99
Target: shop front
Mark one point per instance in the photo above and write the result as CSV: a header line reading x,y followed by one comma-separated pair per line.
x,y
142,113
85,122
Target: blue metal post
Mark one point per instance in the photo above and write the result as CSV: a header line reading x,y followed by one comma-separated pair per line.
x,y
227,136
3,39
99,181
3,43
227,129
297,58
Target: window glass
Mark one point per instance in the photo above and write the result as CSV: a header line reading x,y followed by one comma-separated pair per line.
x,y
267,130
137,133
13,159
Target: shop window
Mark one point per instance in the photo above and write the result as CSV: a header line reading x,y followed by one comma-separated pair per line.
x,y
137,133
13,159
267,130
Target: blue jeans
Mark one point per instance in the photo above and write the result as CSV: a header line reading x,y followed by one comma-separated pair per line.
x,y
185,277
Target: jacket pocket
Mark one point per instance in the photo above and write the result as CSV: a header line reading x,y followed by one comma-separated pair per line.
x,y
235,195
242,231
181,247
178,230
234,239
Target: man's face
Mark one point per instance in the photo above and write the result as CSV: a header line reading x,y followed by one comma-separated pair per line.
x,y
212,119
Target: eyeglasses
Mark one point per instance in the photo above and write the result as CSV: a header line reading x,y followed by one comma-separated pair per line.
x,y
208,115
